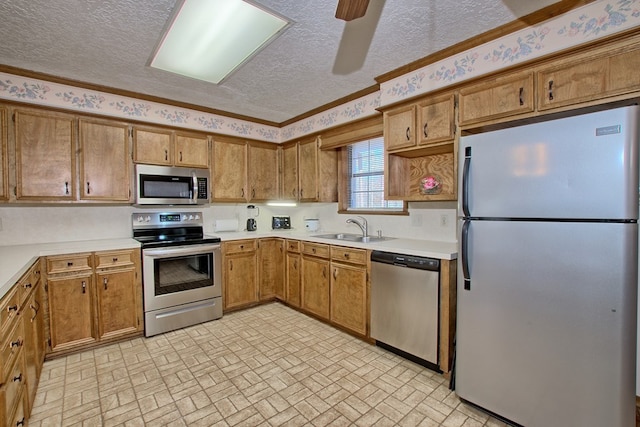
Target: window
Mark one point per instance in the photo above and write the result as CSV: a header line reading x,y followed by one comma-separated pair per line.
x,y
365,177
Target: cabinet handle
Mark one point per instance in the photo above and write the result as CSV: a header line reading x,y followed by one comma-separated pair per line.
x,y
295,265
115,259
18,378
253,193
346,255
408,134
35,312
550,90
242,193
301,193
16,343
520,96
88,188
313,250
84,287
105,283
66,187
69,264
20,423
28,285
425,130
230,265
335,274
180,155
324,272
293,193
12,308
241,246
166,155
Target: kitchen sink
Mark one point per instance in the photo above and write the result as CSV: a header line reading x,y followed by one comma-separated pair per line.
x,y
352,237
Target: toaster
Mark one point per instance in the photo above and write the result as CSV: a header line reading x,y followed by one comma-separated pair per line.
x,y
280,223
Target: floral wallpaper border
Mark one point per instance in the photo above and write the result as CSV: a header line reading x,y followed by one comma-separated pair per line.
x,y
584,24
590,22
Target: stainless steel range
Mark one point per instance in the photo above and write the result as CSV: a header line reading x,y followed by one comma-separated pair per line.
x,y
181,270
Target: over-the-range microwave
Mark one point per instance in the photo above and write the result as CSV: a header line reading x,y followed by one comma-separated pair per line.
x,y
164,185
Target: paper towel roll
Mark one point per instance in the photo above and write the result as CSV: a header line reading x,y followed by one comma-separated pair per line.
x,y
226,225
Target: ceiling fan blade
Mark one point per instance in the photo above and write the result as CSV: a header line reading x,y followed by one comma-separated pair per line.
x,y
356,40
349,10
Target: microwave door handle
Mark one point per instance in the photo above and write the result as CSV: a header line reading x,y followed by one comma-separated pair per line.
x,y
194,179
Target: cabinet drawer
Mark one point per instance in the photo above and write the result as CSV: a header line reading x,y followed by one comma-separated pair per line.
x,y
351,255
114,259
315,249
68,263
10,349
18,417
293,245
28,282
239,246
13,385
9,307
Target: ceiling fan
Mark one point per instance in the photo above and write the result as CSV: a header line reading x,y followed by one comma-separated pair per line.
x,y
349,10
361,18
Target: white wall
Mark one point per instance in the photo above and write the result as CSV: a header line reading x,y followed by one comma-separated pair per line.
x,y
35,224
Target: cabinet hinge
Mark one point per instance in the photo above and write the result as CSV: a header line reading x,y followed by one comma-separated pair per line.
x,y
15,191
131,133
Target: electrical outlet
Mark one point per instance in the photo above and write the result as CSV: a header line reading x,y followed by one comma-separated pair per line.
x,y
444,220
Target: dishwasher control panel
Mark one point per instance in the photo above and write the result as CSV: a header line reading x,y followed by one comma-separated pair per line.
x,y
410,261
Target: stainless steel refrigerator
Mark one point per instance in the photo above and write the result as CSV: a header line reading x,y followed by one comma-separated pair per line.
x,y
547,275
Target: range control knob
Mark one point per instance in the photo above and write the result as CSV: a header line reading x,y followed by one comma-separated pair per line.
x,y
147,219
140,218
184,217
190,217
197,216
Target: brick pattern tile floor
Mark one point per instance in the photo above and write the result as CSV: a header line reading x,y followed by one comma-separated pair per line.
x,y
265,366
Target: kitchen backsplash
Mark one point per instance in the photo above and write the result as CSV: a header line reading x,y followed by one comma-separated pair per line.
x,y
37,224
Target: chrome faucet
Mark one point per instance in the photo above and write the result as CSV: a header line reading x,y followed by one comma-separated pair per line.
x,y
362,224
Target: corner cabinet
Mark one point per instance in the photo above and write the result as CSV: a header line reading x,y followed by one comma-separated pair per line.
x,y
45,156
105,165
421,150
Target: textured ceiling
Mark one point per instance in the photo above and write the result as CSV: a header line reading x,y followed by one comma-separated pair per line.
x,y
109,43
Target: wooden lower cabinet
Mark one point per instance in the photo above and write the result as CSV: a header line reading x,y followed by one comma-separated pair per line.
x,y
293,273
34,342
315,285
240,273
93,297
349,289
271,256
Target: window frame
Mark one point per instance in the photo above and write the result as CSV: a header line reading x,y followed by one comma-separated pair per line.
x,y
343,182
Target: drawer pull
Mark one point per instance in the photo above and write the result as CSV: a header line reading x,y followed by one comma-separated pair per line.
x,y
346,255
241,246
28,285
166,155
12,308
115,259
16,343
550,90
313,250
18,378
69,264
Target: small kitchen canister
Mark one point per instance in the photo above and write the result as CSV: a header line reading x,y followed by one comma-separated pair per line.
x,y
311,224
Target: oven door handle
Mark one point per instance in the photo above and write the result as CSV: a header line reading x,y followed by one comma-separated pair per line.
x,y
179,251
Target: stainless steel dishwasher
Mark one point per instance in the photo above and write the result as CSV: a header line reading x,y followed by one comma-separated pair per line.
x,y
405,305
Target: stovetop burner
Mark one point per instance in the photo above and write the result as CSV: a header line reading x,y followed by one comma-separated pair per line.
x,y
155,229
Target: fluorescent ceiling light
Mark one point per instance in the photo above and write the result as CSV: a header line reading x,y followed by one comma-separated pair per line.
x,y
281,203
209,39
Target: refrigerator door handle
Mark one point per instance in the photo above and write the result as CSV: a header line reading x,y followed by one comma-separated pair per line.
x,y
464,253
465,181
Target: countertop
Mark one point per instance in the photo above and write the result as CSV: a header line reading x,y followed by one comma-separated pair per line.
x,y
15,260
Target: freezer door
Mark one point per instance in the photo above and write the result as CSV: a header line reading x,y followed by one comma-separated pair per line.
x,y
578,167
546,331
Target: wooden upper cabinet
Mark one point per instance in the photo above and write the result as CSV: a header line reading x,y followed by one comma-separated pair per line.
x,y
158,146
290,172
308,170
191,150
45,156
263,168
436,121
399,127
498,98
104,160
152,146
4,160
610,73
229,170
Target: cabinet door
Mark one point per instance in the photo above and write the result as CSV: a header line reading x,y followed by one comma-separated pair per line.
x,y
33,341
436,120
229,170
263,171
399,127
308,170
496,99
192,150
293,279
240,279
315,286
104,161
290,172
152,146
45,166
271,258
349,297
4,166
71,311
328,176
117,303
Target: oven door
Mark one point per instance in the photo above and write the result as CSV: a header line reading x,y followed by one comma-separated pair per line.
x,y
181,275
